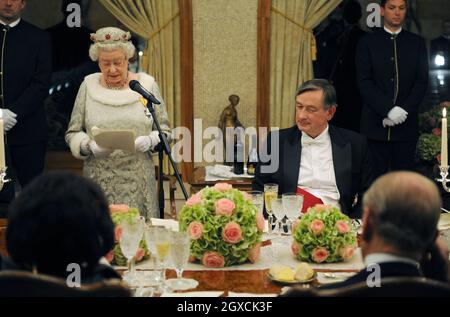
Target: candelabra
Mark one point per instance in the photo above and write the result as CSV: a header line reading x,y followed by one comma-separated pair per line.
x,y
3,179
444,180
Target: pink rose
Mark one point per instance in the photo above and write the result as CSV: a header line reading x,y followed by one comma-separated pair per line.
x,y
192,259
195,230
253,253
118,208
139,254
194,200
321,207
319,255
316,226
110,256
436,131
295,247
117,233
260,222
221,187
347,252
295,225
224,207
232,233
247,196
342,226
213,260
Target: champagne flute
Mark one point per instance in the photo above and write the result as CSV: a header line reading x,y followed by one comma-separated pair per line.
x,y
150,234
180,248
270,193
132,231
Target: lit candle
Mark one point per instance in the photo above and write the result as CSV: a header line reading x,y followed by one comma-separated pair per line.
x,y
2,144
444,144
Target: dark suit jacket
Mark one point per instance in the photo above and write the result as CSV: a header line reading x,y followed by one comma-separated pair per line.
x,y
26,75
375,65
388,269
352,165
99,273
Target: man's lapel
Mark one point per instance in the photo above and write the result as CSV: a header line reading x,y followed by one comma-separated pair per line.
x,y
292,157
342,161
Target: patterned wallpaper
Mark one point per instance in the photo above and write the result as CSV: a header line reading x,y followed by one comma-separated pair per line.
x,y
225,58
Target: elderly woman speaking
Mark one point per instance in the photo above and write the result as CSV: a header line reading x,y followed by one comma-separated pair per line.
x,y
105,101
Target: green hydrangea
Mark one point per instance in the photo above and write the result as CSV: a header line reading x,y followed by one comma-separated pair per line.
x,y
211,240
329,238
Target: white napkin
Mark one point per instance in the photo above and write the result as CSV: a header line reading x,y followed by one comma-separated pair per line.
x,y
167,223
194,294
233,294
336,277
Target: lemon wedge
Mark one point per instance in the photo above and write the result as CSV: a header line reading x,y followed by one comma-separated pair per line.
x,y
303,272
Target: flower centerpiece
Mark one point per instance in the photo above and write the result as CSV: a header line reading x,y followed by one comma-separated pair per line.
x,y
429,143
323,234
115,256
224,225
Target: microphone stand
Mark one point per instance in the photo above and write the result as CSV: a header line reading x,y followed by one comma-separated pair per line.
x,y
163,147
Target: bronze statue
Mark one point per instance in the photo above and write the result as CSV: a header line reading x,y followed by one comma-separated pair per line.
x,y
229,119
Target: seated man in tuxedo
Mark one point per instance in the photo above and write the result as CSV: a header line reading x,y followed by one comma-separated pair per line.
x,y
324,163
399,238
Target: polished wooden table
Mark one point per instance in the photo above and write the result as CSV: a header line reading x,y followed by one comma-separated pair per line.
x,y
198,181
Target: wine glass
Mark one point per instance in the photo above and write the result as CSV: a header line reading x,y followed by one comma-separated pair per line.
x,y
132,231
180,248
150,234
257,199
278,212
292,205
162,247
270,192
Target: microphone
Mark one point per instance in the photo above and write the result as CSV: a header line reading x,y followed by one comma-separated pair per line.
x,y
137,87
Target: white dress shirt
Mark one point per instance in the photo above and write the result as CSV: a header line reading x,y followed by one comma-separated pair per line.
x,y
316,174
12,24
390,32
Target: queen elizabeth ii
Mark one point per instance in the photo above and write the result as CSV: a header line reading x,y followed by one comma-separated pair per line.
x,y
105,101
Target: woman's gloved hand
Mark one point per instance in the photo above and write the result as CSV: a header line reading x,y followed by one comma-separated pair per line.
x,y
147,142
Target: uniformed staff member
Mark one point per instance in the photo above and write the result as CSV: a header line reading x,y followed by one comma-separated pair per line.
x,y
25,62
392,74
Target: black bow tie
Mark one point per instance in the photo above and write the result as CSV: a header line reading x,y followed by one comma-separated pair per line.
x,y
5,27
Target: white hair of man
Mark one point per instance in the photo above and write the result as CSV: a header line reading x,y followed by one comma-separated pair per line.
x,y
111,39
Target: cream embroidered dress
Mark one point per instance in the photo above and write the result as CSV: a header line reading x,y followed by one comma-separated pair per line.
x,y
126,178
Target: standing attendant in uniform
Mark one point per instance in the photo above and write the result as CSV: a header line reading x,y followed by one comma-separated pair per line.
x,y
392,74
25,69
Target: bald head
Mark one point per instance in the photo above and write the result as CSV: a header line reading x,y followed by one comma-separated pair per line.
x,y
403,209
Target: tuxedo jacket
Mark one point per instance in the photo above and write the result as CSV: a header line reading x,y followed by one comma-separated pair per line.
x,y
388,269
25,79
351,160
376,76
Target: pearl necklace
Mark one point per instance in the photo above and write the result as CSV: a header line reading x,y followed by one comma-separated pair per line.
x,y
117,87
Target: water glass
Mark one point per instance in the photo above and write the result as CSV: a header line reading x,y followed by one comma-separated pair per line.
x,y
292,205
132,231
278,212
180,247
257,199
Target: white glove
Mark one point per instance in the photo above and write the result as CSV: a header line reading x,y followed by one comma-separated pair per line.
x,y
9,119
98,151
84,147
147,142
388,123
397,115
